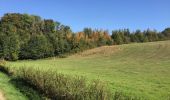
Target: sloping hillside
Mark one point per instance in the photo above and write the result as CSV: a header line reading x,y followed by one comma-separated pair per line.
x,y
142,51
141,69
100,51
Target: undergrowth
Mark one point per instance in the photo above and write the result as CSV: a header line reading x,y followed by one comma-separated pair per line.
x,y
57,86
63,87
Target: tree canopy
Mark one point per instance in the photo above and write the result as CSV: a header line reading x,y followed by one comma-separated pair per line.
x,y
24,36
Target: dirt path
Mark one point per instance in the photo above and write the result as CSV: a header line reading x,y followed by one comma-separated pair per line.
x,y
2,96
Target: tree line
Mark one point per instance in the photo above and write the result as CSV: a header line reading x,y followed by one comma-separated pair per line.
x,y
24,36
125,36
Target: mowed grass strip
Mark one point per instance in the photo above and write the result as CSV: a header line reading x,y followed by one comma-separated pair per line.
x,y
141,69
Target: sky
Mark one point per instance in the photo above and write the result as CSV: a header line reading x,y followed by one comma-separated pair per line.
x,y
97,14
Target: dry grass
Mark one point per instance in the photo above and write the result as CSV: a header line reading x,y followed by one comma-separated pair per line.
x,y
100,51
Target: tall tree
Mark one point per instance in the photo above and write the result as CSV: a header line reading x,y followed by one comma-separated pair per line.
x,y
88,31
117,37
151,35
9,42
38,47
166,33
140,37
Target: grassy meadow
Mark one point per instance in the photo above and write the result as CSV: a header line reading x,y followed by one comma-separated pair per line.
x,y
139,69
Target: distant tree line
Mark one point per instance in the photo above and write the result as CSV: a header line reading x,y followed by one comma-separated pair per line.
x,y
125,36
24,36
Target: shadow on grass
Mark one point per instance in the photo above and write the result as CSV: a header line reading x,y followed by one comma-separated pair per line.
x,y
27,90
33,93
23,87
5,70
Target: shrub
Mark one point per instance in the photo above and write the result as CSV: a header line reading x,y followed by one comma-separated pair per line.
x,y
48,84
63,87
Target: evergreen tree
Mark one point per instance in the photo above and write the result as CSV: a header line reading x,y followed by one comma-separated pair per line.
x,y
126,36
117,38
88,31
140,37
166,33
151,35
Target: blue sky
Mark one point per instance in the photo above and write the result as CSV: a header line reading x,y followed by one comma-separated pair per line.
x,y
101,14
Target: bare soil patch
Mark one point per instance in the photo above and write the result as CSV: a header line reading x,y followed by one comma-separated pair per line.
x,y
2,96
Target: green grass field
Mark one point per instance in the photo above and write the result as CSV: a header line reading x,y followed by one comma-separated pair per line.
x,y
140,69
9,91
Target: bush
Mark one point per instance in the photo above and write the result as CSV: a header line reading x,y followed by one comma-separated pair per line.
x,y
63,87
39,84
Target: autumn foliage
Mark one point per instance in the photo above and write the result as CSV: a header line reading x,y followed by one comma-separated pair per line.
x,y
24,36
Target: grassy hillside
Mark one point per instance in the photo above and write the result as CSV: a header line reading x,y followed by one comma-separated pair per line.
x,y
141,69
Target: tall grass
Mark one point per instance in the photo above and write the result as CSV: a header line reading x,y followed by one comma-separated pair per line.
x,y
63,87
58,86
100,51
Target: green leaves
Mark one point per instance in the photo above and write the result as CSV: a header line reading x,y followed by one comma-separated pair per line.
x,y
24,36
38,47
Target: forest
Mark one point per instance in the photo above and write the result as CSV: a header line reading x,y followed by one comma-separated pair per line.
x,y
24,36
